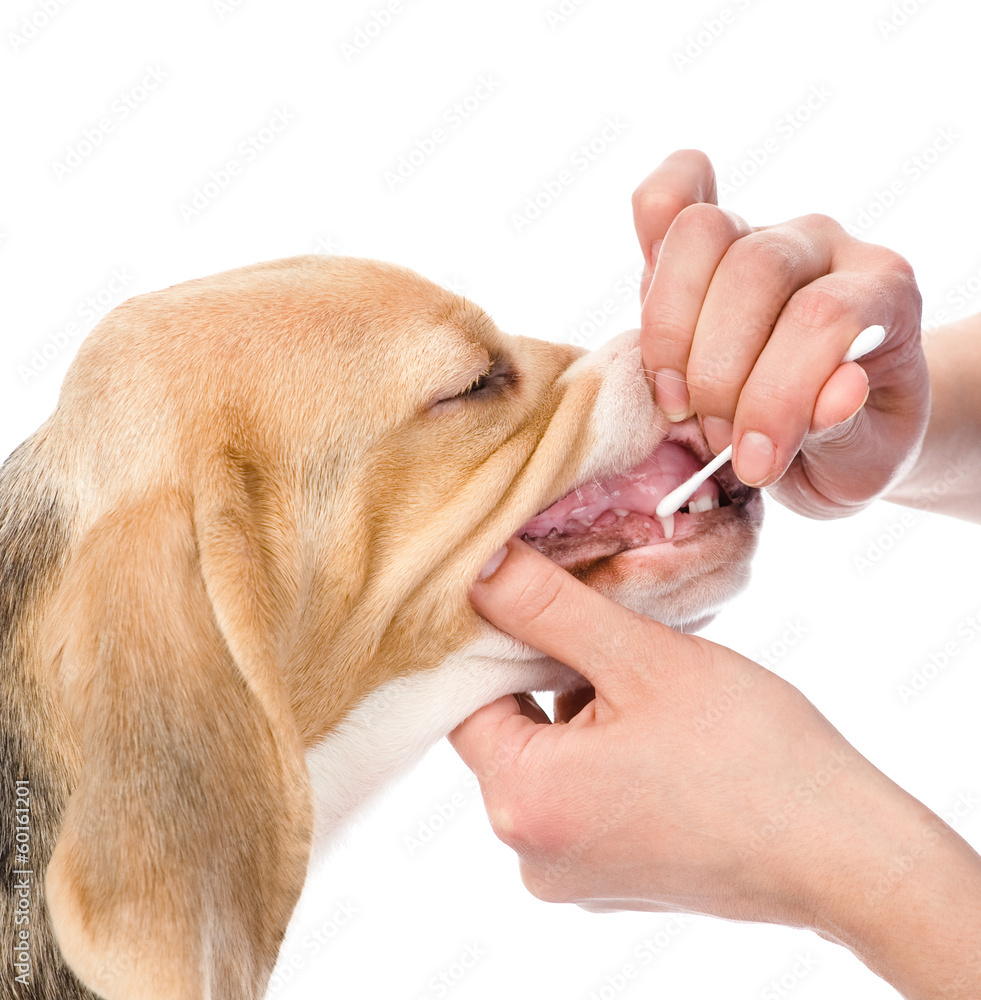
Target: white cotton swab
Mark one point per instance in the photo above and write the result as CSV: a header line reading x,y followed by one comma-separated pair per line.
x,y
678,497
866,342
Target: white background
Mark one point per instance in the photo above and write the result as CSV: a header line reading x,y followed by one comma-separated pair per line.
x,y
356,103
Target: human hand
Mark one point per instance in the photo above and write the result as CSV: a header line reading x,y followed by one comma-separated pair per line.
x,y
747,328
698,781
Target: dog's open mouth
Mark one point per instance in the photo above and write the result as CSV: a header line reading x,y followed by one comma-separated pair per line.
x,y
605,517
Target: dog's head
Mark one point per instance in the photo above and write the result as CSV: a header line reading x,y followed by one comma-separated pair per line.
x,y
282,481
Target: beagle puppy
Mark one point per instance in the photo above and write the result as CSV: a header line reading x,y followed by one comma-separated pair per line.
x,y
233,596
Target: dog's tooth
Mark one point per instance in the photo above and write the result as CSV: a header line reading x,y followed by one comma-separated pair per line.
x,y
620,512
715,503
667,523
700,505
554,533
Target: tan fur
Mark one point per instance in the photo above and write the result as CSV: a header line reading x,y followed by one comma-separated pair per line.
x,y
245,512
255,504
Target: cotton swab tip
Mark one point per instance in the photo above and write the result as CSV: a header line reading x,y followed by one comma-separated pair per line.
x,y
679,496
866,342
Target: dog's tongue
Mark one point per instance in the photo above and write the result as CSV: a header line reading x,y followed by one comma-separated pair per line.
x,y
638,490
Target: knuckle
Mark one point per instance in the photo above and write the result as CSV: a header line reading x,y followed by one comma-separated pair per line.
x,y
540,596
781,404
901,267
886,260
714,387
551,856
716,378
529,825
708,218
541,881
821,225
503,823
700,215
505,809
901,288
708,223
817,308
892,274
667,332
764,259
896,267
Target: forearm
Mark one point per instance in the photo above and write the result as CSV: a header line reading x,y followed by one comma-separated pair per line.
x,y
909,906
947,475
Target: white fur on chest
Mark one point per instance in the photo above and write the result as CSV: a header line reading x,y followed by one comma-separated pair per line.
x,y
391,729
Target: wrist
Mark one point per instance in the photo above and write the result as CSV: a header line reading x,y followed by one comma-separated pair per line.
x,y
944,478
907,901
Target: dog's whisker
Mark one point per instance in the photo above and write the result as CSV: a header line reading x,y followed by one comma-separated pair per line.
x,y
664,375
602,489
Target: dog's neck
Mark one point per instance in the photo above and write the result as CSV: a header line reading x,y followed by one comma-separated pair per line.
x,y
394,725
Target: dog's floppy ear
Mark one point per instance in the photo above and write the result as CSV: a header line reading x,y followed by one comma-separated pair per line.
x,y
185,843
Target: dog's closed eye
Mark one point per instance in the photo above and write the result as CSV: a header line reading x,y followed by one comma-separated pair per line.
x,y
497,377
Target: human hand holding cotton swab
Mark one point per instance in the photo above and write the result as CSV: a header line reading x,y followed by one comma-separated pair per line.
x,y
744,329
866,342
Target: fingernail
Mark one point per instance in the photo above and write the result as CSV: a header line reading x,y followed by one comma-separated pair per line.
x,y
718,433
671,393
493,563
754,458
